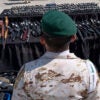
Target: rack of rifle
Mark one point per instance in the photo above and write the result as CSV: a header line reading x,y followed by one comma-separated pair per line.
x,y
39,10
22,24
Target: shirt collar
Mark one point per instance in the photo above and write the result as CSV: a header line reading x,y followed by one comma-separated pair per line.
x,y
64,54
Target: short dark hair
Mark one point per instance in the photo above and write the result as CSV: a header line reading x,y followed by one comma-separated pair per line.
x,y
57,43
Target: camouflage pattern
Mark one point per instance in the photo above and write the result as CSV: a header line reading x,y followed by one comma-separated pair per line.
x,y
56,76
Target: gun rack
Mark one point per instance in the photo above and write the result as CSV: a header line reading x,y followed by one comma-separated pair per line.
x,y
20,31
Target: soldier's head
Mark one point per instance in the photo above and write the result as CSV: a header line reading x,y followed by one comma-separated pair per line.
x,y
58,30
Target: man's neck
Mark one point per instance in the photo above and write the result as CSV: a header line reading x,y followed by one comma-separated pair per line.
x,y
56,51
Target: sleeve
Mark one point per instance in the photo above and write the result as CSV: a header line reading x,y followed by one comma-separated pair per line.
x,y
95,95
94,84
18,91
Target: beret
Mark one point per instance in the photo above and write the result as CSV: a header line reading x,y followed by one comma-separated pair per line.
x,y
57,23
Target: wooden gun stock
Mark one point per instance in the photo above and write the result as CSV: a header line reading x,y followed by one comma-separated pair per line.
x,y
1,29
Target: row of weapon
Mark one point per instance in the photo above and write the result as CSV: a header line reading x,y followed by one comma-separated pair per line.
x,y
25,29
40,9
88,29
19,30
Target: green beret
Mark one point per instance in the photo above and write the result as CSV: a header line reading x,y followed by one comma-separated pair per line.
x,y
56,23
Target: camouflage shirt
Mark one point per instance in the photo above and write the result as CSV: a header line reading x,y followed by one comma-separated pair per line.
x,y
57,76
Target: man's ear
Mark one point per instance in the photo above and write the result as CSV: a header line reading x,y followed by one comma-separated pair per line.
x,y
73,38
42,40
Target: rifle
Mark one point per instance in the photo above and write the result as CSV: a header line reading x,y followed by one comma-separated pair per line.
x,y
6,31
1,29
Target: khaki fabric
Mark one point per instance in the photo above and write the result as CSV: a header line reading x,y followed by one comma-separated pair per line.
x,y
55,76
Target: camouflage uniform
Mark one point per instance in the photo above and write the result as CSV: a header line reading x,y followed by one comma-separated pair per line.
x,y
57,76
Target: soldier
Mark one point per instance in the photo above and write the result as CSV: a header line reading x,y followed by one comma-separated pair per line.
x,y
27,1
58,74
